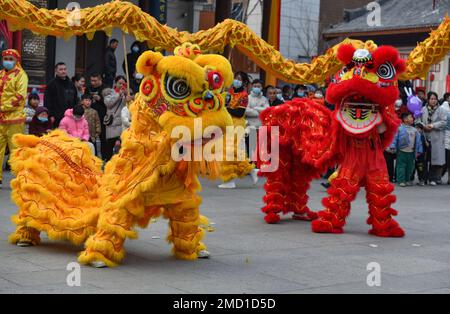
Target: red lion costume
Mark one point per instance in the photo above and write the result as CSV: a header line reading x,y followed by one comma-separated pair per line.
x,y
353,136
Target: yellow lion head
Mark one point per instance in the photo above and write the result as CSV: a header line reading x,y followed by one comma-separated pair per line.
x,y
188,85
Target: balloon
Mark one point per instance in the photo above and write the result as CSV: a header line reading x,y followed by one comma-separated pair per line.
x,y
415,106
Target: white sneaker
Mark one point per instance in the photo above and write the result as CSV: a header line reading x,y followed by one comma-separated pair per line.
x,y
98,264
254,175
203,254
24,244
433,183
228,185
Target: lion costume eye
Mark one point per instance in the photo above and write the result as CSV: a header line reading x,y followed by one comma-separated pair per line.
x,y
386,71
177,88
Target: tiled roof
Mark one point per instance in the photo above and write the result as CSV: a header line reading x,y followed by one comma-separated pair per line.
x,y
395,14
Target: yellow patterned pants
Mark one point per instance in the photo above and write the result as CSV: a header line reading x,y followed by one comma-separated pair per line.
x,y
6,133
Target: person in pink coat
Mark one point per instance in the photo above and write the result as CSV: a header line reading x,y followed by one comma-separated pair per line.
x,y
75,124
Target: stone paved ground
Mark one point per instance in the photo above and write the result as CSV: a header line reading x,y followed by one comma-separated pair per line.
x,y
249,256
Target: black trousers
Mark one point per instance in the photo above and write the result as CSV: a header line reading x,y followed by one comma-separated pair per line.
x,y
110,147
434,172
390,164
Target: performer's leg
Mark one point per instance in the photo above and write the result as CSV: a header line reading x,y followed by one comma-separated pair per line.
x,y
276,187
301,176
379,198
342,192
184,228
25,236
106,245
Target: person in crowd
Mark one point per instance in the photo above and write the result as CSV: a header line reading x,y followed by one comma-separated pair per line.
x,y
125,115
256,104
390,156
115,100
236,106
280,94
75,124
446,101
287,92
13,95
421,162
445,106
300,91
80,84
30,109
272,97
92,119
135,82
421,93
40,124
60,94
132,57
408,146
95,90
434,121
110,69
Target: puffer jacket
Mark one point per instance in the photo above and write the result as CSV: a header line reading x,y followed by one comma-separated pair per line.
x,y
75,128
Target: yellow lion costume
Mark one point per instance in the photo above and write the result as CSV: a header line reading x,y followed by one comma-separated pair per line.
x,y
60,188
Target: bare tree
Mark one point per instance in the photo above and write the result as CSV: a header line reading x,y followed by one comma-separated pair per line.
x,y
307,35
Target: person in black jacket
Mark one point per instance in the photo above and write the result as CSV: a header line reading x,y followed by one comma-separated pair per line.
x,y
95,90
110,63
132,57
60,94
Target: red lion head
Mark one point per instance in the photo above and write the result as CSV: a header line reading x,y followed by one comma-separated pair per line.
x,y
365,91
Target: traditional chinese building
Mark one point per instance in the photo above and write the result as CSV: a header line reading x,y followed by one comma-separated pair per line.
x,y
400,23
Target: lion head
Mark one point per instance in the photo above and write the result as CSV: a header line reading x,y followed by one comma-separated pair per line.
x,y
365,91
179,88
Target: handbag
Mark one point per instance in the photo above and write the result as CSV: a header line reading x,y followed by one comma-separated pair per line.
x,y
109,119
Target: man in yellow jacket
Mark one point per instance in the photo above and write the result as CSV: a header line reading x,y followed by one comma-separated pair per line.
x,y
13,94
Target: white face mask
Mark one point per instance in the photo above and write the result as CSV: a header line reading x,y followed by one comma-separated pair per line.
x,y
139,76
398,103
318,95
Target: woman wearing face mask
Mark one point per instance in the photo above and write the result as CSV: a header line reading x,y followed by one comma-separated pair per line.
x,y
236,105
13,95
300,91
132,57
256,104
434,121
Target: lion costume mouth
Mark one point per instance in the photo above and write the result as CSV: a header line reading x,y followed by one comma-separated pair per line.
x,y
358,115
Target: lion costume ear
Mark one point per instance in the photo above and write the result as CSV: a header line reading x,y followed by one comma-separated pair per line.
x,y
147,62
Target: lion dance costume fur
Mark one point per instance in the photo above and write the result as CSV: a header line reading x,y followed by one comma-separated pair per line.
x,y
60,188
354,136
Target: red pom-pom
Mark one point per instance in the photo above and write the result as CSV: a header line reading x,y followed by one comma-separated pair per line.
x,y
345,53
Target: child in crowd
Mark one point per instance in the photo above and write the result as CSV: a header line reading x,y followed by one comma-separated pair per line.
x,y
92,119
75,124
40,124
30,109
408,145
